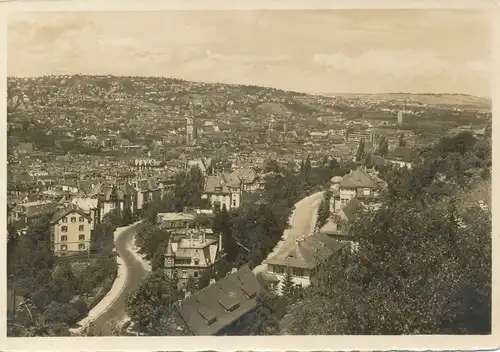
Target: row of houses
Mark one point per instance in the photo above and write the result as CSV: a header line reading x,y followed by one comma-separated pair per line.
x,y
76,208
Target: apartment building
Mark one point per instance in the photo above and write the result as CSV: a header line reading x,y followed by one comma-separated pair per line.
x,y
71,230
188,255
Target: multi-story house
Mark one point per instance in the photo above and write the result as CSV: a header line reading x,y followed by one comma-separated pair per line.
x,y
175,221
147,190
71,230
188,255
223,190
29,212
89,205
249,179
358,184
113,197
302,260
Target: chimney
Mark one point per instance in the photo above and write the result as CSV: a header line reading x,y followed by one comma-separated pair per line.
x,y
234,270
212,281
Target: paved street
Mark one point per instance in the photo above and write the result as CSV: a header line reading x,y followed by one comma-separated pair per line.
x,y
135,274
302,222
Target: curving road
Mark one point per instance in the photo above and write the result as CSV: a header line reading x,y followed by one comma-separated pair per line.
x,y
135,274
302,223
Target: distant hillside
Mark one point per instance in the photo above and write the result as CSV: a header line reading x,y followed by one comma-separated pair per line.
x,y
431,99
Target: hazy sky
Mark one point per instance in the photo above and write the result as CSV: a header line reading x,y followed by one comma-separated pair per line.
x,y
327,51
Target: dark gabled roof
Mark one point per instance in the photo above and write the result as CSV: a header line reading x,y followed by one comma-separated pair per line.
x,y
35,210
402,154
70,208
218,305
307,253
358,178
246,175
221,183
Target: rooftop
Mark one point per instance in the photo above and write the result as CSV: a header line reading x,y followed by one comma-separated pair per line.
x,y
218,305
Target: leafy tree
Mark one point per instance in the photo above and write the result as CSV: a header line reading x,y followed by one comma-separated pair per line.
x,y
149,238
402,142
324,209
383,147
155,295
333,164
204,278
415,257
265,319
103,237
158,261
360,154
202,221
271,166
61,313
222,225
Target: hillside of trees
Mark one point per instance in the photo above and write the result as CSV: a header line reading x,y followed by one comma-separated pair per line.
x,y
424,259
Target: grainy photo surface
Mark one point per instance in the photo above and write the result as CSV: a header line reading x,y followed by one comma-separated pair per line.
x,y
253,172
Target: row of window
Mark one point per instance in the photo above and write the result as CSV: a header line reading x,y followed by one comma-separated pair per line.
x,y
278,269
64,238
73,219
65,228
65,247
184,261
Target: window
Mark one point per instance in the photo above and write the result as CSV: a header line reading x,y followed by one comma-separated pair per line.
x,y
65,219
73,219
366,191
298,272
279,269
64,228
81,237
81,246
195,274
80,228
196,261
80,219
64,238
64,247
234,202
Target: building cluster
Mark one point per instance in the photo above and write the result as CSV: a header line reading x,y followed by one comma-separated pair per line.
x,y
358,190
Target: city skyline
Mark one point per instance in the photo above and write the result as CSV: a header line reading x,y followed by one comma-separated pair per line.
x,y
327,51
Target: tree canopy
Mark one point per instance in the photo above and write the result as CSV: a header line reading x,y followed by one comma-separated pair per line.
x,y
424,259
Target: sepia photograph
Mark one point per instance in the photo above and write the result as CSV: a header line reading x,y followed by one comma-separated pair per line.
x,y
256,172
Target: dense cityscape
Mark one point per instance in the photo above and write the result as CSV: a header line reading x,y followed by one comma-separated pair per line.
x,y
143,206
